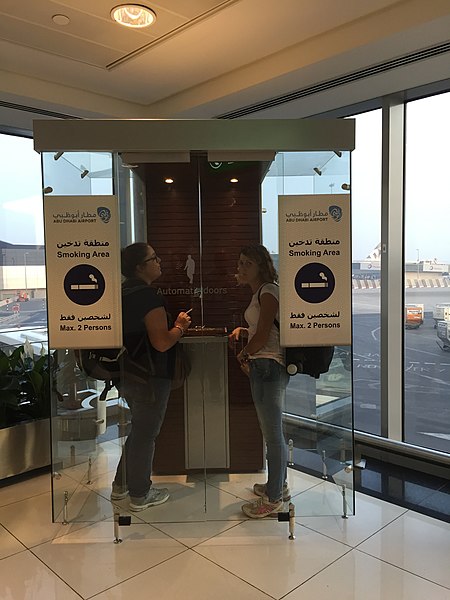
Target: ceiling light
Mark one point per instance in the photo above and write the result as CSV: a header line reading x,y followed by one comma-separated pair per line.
x,y
133,15
168,180
234,180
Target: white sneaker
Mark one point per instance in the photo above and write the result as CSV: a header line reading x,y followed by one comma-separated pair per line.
x,y
154,497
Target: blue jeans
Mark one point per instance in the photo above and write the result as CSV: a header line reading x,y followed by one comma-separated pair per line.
x,y
268,381
148,404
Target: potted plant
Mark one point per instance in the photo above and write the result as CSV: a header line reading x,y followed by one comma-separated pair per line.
x,y
24,410
24,385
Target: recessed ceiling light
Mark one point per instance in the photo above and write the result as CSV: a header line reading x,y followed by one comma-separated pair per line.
x,y
60,20
168,180
133,15
234,180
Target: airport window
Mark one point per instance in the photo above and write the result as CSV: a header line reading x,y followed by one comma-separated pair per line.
x,y
22,264
427,283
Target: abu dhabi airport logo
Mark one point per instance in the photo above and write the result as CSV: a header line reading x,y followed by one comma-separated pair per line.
x,y
335,212
104,213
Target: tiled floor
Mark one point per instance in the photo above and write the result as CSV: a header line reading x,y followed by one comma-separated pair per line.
x,y
385,552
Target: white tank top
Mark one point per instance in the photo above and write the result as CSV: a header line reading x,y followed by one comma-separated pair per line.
x,y
272,347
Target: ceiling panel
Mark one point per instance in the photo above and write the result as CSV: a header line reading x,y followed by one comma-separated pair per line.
x,y
91,36
59,43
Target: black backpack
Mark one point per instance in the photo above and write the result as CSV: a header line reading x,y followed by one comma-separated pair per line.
x,y
109,364
309,360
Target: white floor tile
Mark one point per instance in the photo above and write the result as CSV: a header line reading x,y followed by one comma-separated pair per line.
x,y
398,554
90,562
324,499
416,543
192,534
9,544
30,520
24,577
260,553
357,576
25,489
185,577
371,516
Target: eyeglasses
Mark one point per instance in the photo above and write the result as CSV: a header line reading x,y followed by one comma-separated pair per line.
x,y
155,257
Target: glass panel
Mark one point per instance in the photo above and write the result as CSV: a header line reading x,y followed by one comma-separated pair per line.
x,y
196,216
83,449
318,412
366,271
427,260
90,433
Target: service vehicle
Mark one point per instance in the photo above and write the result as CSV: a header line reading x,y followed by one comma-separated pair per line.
x,y
443,333
414,314
441,312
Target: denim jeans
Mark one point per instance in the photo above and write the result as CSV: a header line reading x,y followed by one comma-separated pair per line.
x,y
268,381
148,405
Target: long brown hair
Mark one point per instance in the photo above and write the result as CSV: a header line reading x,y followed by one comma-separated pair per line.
x,y
261,256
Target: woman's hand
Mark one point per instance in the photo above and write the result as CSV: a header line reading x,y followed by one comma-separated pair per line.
x,y
236,334
183,320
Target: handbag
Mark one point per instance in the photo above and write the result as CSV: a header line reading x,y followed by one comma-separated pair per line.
x,y
182,367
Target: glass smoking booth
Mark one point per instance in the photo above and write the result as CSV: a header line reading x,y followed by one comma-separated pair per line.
x,y
197,191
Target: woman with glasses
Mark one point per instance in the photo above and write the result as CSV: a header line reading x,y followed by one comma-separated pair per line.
x,y
263,360
149,335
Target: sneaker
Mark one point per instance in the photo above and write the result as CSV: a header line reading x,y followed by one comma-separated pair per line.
x,y
119,492
262,508
259,489
154,497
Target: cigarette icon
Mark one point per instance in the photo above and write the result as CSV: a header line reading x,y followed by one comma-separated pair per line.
x,y
317,285
84,286
314,285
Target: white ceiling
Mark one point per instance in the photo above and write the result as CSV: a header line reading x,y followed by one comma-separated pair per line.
x,y
203,58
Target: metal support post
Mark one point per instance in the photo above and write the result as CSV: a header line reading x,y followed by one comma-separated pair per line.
x,y
89,473
290,517
119,520
290,453
324,465
65,508
344,503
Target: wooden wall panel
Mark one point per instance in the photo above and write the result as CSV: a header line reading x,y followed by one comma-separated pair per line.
x,y
203,214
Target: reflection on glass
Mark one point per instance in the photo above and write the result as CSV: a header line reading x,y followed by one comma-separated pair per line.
x,y
427,264
78,173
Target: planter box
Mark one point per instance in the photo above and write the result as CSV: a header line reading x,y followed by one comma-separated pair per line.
x,y
24,447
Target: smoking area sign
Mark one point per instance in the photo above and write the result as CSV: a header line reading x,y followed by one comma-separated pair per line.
x,y
315,270
83,271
